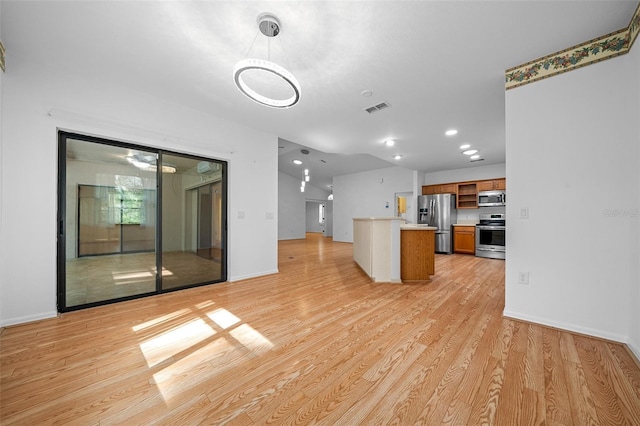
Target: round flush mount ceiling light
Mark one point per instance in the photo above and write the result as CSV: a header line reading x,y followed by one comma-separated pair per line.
x,y
465,146
270,26
397,157
470,151
475,157
451,132
389,142
367,93
297,162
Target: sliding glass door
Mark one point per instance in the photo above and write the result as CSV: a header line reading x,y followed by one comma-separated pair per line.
x,y
193,241
111,196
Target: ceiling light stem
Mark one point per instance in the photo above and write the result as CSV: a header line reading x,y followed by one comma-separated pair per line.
x,y
246,55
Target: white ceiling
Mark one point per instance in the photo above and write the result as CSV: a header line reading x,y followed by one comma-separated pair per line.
x,y
439,64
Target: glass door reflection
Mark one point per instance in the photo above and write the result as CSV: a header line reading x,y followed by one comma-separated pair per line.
x,y
192,222
110,222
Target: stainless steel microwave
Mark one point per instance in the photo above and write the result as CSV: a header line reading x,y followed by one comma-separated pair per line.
x,y
492,198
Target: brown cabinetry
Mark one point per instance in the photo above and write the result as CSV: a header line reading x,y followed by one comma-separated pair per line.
x,y
467,195
464,239
417,259
466,192
447,188
492,185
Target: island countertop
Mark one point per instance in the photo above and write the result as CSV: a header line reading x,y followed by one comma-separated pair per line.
x,y
417,227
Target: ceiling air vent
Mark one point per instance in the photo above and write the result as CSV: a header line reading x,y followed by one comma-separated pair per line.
x,y
378,107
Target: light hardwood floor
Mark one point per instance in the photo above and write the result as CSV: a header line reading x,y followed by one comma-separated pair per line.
x,y
316,343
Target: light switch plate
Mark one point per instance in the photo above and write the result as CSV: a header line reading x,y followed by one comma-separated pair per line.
x,y
524,213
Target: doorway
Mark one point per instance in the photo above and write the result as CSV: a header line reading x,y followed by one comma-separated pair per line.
x,y
126,221
404,206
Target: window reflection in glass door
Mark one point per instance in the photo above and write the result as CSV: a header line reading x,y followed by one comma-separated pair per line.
x,y
110,222
192,221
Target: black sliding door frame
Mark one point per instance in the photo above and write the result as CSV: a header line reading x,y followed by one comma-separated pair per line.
x,y
61,223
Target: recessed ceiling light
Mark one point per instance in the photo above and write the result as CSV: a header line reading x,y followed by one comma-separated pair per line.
x,y
397,157
475,157
451,132
470,151
465,146
389,142
297,162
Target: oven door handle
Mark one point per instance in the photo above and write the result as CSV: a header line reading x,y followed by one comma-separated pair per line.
x,y
489,249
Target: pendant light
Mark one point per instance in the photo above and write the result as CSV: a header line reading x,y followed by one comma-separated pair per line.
x,y
270,27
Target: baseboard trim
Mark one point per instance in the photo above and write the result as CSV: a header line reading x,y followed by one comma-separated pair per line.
x,y
28,319
634,353
618,338
248,276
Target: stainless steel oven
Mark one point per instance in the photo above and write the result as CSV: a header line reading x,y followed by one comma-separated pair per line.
x,y
491,236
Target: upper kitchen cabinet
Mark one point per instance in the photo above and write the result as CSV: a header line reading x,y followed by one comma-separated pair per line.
x,y
467,195
492,185
466,192
447,188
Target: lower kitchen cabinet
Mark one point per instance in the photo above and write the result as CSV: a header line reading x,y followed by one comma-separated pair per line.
x,y
464,239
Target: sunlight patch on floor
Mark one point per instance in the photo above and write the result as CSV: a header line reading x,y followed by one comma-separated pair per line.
x,y
161,319
176,340
172,380
251,339
223,318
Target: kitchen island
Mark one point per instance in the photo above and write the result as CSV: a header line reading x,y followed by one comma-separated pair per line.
x,y
388,250
417,248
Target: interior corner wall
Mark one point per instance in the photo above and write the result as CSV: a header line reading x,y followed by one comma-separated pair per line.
x,y
2,271
366,194
634,333
573,160
292,206
78,103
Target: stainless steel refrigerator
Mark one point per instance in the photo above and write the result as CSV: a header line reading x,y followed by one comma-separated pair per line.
x,y
439,210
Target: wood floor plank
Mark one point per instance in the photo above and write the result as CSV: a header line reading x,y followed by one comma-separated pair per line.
x,y
317,343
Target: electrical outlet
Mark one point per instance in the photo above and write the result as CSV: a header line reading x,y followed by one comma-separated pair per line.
x,y
524,213
523,278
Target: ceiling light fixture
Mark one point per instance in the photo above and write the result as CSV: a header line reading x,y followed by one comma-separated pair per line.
x,y
451,132
270,26
397,157
389,142
470,151
475,157
465,146
296,162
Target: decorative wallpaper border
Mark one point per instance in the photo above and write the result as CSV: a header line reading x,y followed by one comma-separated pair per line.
x,y
590,52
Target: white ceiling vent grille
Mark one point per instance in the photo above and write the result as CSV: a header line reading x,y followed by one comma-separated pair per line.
x,y
378,107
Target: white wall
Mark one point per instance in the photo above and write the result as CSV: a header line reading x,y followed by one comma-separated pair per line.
x,y
2,236
328,219
634,327
292,206
29,151
366,194
573,161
